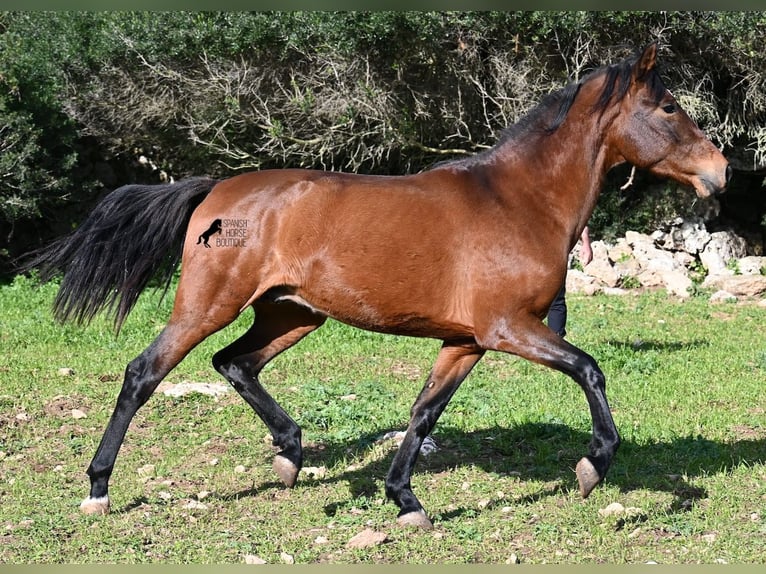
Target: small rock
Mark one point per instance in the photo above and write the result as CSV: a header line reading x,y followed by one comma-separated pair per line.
x,y
77,414
513,559
146,471
195,505
253,559
287,558
613,509
617,509
367,538
66,372
315,471
240,468
722,296
184,388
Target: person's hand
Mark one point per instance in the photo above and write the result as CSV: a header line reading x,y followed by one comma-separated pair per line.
x,y
586,254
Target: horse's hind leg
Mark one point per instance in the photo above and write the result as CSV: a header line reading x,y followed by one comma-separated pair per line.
x,y
277,327
142,376
453,364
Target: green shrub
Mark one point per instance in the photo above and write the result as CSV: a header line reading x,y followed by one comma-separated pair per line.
x,y
382,92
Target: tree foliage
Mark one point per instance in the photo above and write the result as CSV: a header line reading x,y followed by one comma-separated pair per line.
x,y
91,100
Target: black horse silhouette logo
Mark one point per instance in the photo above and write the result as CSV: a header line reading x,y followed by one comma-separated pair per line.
x,y
214,228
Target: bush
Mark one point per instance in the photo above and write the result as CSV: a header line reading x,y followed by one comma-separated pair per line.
x,y
381,92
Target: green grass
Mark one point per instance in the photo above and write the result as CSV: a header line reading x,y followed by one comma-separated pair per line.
x,y
685,381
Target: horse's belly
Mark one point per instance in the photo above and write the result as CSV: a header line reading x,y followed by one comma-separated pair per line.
x,y
416,316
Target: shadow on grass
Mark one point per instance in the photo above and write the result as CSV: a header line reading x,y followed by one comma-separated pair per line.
x,y
548,453
544,452
536,451
662,346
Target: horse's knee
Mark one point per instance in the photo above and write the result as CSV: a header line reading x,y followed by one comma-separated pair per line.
x,y
589,375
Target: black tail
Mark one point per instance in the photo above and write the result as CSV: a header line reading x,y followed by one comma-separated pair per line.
x,y
133,235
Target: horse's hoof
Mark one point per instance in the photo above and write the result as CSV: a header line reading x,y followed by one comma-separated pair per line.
x,y
418,519
95,505
587,476
286,470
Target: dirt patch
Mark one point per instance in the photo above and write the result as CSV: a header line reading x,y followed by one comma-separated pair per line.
x,y
409,371
721,316
747,432
62,406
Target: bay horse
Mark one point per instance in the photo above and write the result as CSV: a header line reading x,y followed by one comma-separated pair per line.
x,y
470,252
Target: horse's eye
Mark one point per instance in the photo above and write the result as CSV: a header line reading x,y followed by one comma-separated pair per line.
x,y
669,108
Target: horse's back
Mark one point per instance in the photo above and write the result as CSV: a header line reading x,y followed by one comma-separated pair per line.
x,y
310,203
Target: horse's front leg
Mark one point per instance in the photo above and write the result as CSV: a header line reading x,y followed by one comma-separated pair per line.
x,y
591,469
453,364
529,338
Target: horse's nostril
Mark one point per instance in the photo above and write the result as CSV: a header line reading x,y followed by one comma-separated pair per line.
x,y
729,173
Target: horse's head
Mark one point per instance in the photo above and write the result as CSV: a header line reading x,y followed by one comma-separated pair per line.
x,y
652,132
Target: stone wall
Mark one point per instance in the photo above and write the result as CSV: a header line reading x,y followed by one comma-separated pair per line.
x,y
680,259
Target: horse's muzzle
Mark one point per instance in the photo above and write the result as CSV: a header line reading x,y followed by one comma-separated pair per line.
x,y
714,185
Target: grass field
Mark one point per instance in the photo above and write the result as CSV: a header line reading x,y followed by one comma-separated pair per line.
x,y
193,482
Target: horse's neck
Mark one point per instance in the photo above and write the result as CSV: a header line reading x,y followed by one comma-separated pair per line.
x,y
570,166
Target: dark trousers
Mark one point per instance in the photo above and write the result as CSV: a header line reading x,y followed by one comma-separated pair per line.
x,y
557,314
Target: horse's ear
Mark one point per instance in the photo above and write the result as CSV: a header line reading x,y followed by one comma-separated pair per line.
x,y
645,62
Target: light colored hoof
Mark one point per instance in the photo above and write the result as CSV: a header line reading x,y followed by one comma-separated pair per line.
x,y
417,519
286,470
95,505
586,476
